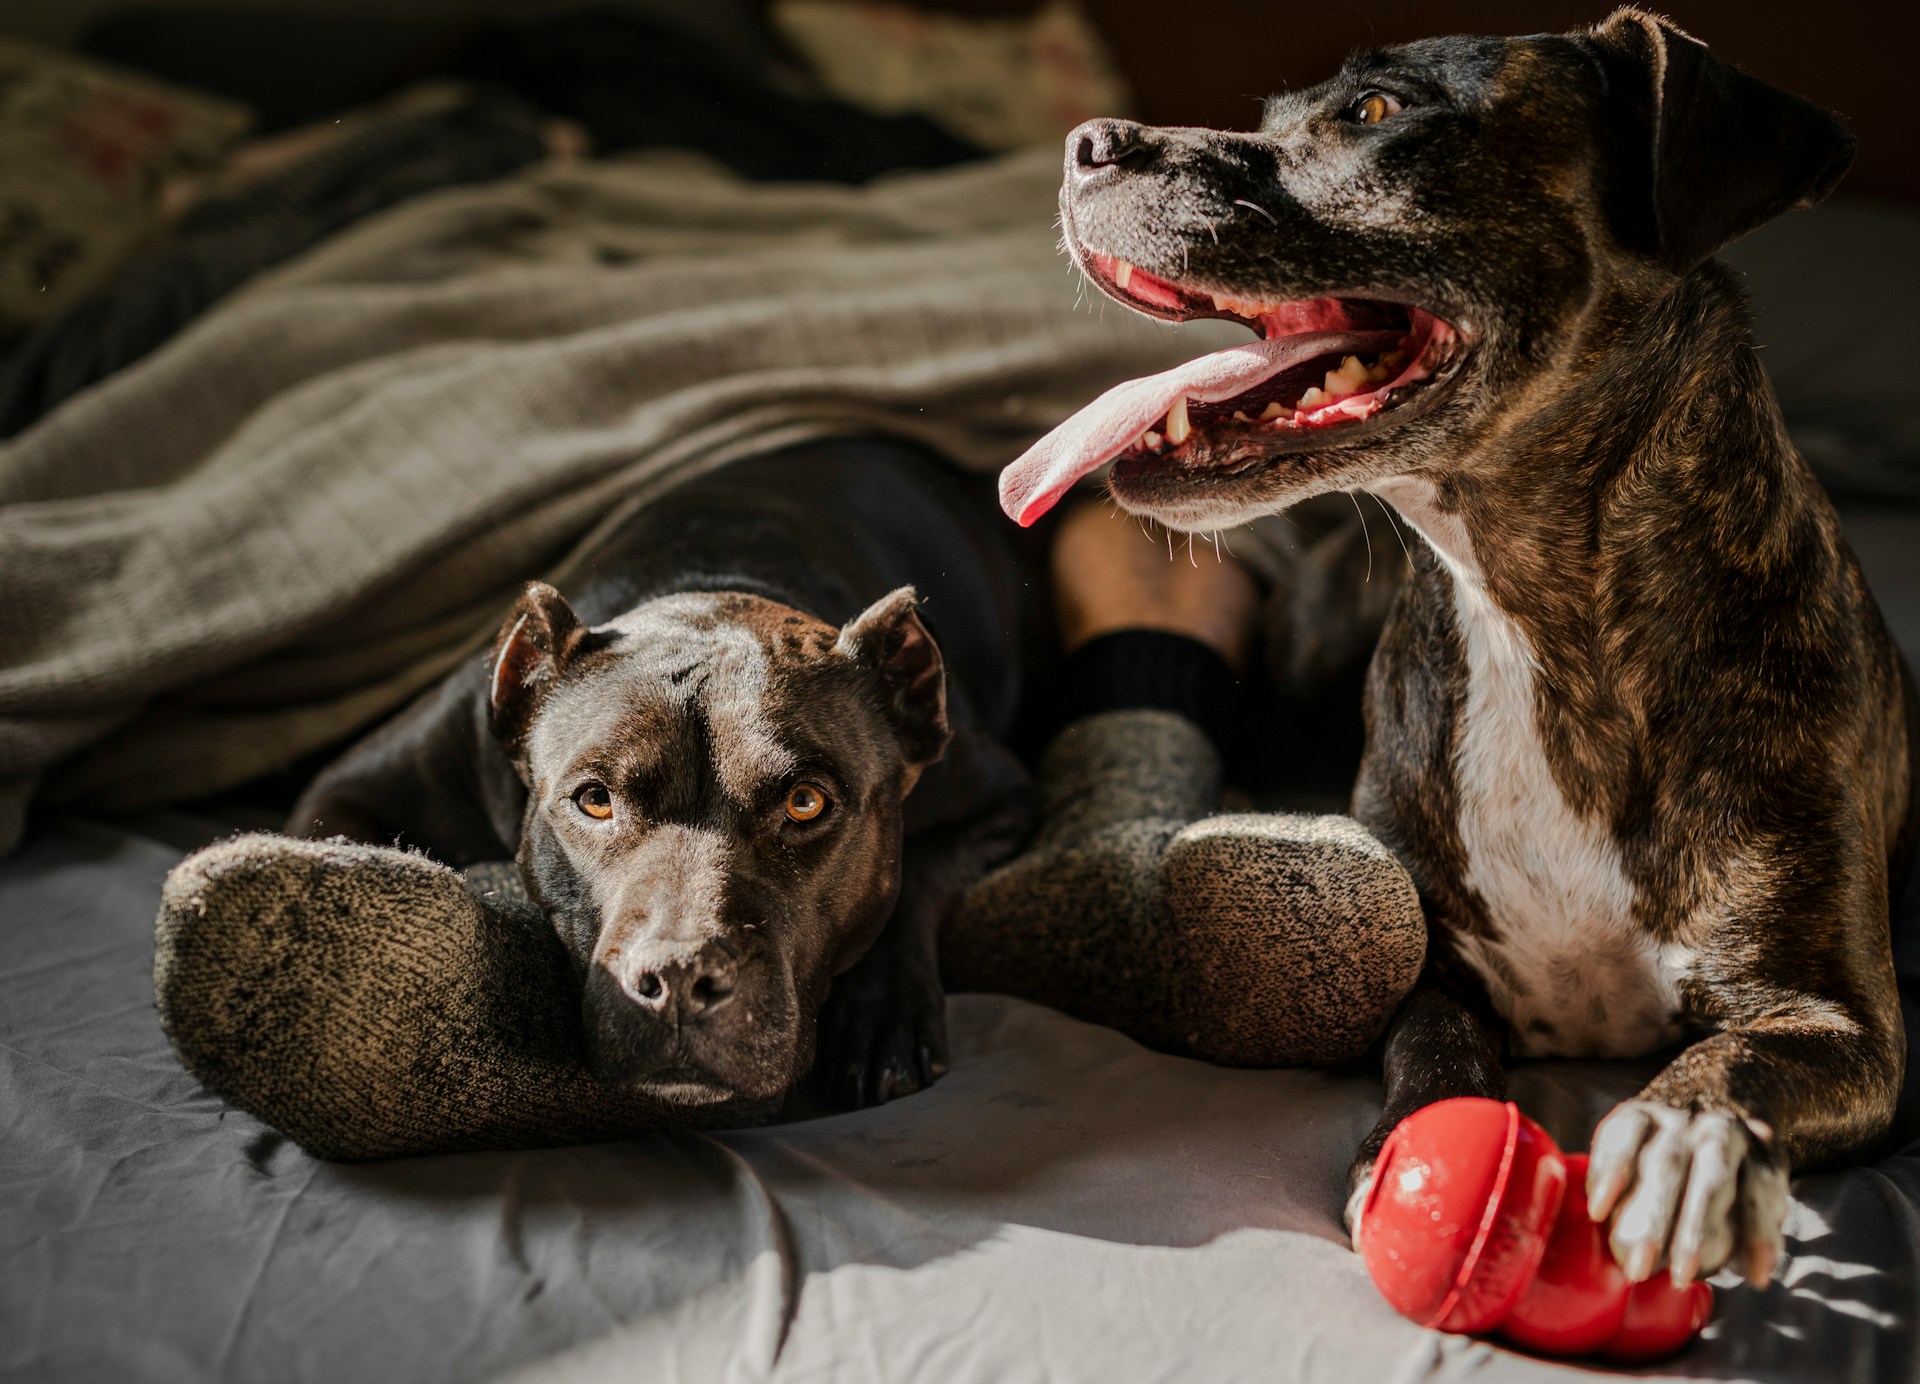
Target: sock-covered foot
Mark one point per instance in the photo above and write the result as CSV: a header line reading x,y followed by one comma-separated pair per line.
x,y
370,1004
1074,922
1248,939
1292,939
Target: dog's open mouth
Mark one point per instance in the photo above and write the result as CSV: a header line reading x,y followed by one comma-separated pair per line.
x,y
1321,366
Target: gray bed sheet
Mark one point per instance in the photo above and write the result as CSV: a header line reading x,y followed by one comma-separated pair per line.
x,y
1064,1206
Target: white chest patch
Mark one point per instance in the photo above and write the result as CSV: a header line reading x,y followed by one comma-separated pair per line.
x,y
1568,966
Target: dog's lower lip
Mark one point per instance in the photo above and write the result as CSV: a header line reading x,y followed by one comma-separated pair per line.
x,y
683,1085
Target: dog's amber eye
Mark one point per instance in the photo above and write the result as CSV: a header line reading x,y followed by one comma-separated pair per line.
x,y
1374,107
595,801
805,802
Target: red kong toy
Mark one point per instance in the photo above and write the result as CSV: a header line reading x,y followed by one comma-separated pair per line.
x,y
1476,1222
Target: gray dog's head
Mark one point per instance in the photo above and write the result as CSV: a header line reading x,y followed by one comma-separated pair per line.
x,y
1424,244
714,817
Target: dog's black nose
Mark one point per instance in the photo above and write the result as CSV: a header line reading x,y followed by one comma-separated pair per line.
x,y
1102,148
688,987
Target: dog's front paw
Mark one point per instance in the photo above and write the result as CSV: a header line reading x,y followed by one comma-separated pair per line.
x,y
883,1034
1697,1190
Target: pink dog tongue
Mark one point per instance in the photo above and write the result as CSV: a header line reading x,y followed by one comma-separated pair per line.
x,y
1098,433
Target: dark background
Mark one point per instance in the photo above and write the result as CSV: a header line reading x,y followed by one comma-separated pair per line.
x,y
1210,61
1207,62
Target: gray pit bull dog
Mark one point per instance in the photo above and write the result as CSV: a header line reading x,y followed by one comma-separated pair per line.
x,y
736,815
1635,725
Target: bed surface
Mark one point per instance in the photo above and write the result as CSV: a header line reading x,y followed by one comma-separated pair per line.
x,y
1063,1206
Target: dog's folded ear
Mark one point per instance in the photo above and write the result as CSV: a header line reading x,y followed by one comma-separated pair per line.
x,y
889,638
1706,152
533,645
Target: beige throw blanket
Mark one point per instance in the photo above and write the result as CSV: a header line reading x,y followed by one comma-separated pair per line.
x,y
319,498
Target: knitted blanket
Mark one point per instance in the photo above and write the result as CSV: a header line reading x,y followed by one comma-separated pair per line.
x,y
317,500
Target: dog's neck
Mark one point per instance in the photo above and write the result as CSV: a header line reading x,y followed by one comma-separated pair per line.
x,y
1539,528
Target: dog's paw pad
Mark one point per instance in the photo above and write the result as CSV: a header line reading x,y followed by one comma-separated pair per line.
x,y
1692,1190
880,1043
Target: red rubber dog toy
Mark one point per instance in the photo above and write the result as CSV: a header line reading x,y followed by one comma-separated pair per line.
x,y
1477,1222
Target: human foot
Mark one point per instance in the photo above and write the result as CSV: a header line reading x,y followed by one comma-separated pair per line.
x,y
370,1004
1109,574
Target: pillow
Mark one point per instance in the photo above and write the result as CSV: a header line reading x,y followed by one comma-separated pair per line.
x,y
1003,83
84,150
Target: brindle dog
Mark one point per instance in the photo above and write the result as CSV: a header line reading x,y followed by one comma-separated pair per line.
x,y
1635,723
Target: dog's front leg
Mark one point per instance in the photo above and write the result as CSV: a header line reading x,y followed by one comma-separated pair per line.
x,y
432,777
1694,1171
883,1029
1436,1049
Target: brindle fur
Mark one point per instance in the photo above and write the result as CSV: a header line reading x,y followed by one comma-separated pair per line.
x,y
1714,690
1723,694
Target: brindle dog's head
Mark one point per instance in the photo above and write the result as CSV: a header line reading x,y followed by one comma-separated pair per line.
x,y
713,819
1458,216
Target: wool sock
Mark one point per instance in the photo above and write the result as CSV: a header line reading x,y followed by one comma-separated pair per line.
x,y
370,1003
1250,939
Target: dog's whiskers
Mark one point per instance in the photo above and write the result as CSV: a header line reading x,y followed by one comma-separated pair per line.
x,y
1364,533
1255,206
1080,279
1393,522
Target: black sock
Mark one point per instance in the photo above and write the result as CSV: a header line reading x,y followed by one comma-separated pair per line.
x,y
1152,670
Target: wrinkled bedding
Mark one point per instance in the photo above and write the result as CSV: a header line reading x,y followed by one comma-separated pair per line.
x,y
317,499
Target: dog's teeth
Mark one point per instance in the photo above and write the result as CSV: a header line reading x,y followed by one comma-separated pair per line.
x,y
1151,439
1122,273
1274,409
1313,398
1178,429
1348,379
1378,374
1240,417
